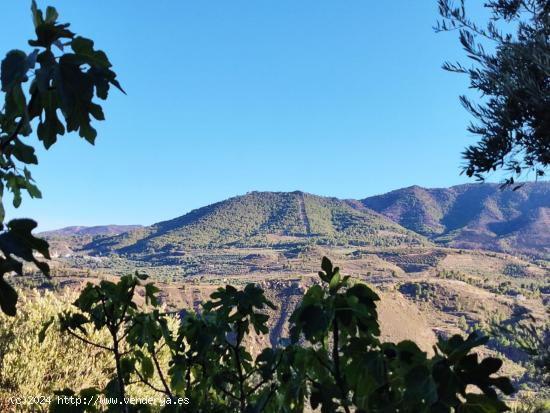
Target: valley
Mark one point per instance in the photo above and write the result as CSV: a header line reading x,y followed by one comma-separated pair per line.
x,y
419,249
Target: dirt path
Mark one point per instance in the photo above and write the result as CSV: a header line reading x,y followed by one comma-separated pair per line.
x,y
303,212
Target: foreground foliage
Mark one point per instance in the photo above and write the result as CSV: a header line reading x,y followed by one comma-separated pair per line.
x,y
510,69
34,363
28,367
333,359
65,74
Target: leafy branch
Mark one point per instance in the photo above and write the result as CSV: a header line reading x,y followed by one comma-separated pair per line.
x,y
66,84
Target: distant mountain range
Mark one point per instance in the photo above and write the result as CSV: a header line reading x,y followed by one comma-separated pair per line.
x,y
480,216
473,216
104,230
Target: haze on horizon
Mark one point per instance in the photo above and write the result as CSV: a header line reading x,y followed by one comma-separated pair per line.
x,y
346,100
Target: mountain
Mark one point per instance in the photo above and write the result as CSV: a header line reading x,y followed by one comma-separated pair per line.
x,y
260,219
106,230
65,241
277,239
392,241
474,216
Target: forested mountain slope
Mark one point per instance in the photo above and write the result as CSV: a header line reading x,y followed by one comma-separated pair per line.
x,y
473,216
260,219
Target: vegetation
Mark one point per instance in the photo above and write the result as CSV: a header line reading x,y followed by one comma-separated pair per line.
x,y
457,216
266,219
531,404
510,70
522,338
42,365
68,83
532,337
29,367
333,358
514,270
506,284
116,341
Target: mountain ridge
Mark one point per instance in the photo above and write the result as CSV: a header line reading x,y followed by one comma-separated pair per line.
x,y
94,230
264,218
474,216
470,216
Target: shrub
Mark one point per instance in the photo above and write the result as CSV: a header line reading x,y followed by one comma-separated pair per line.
x,y
30,367
333,358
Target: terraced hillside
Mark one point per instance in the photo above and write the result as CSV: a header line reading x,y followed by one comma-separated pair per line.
x,y
426,291
444,261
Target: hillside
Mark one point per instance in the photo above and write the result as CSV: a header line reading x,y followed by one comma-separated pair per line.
x,y
474,216
65,241
426,291
390,241
261,219
466,216
106,230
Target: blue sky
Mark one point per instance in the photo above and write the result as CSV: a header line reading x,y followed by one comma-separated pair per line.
x,y
224,97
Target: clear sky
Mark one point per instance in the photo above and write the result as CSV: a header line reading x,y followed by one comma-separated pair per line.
x,y
340,98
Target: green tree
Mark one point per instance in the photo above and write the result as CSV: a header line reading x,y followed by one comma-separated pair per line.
x,y
532,336
110,306
210,364
349,369
510,69
63,73
333,358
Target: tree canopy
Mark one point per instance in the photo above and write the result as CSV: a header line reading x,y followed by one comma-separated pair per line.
x,y
510,68
333,358
62,74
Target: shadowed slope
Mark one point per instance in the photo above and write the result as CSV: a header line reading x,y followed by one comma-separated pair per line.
x,y
474,216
